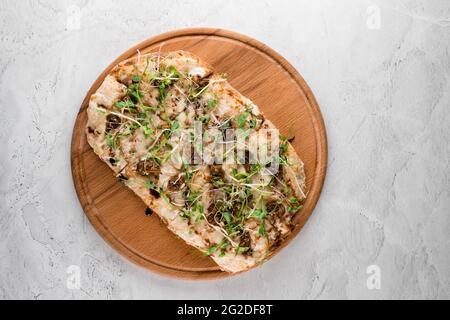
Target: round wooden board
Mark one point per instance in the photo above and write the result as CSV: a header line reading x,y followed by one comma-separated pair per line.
x,y
260,74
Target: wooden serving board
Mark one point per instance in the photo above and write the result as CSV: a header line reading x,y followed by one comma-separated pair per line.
x,y
260,74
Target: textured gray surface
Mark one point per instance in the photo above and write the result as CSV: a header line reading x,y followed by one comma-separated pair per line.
x,y
384,94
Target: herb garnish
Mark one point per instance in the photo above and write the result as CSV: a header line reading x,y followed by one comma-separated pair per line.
x,y
237,195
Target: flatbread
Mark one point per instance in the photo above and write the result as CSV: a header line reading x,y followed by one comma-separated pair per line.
x,y
181,137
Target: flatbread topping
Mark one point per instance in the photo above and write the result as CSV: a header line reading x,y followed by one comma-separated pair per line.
x,y
199,154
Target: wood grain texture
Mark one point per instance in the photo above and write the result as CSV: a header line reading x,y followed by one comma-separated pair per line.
x,y
260,74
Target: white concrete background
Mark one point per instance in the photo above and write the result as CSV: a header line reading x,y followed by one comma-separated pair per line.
x,y
384,94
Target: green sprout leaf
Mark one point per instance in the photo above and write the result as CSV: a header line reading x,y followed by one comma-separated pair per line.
x,y
110,141
212,103
211,250
259,213
148,131
262,228
227,217
174,126
136,79
239,250
283,148
242,119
